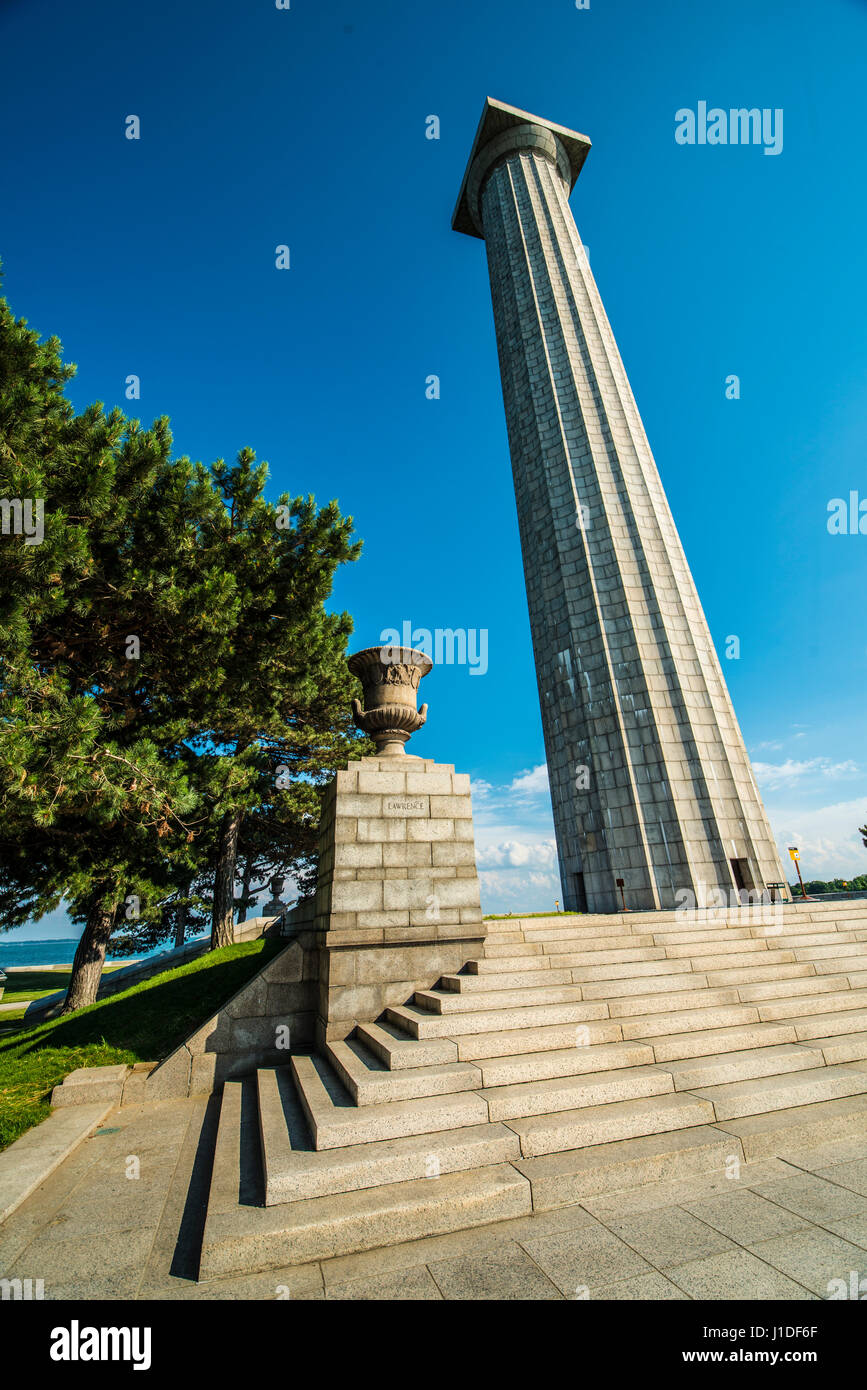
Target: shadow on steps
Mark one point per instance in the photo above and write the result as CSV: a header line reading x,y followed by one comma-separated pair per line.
x,y
185,1260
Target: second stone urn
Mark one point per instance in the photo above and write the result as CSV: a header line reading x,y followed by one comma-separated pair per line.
x,y
390,677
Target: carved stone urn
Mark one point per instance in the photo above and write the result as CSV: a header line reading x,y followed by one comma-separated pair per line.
x,y
390,678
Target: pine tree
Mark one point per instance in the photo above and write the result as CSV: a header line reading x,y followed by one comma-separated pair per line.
x,y
280,715
160,650
90,776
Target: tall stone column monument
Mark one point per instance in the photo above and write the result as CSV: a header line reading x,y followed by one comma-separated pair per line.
x,y
650,780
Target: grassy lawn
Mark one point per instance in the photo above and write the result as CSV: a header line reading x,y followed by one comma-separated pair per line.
x,y
142,1024
504,916
10,1016
36,984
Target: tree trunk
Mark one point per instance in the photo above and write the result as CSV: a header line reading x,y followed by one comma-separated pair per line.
x,y
222,923
181,920
90,957
245,888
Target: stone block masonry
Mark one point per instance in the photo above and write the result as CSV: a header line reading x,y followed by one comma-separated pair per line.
x,y
397,902
270,1016
396,906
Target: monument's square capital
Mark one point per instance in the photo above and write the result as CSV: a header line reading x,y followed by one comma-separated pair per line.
x,y
503,130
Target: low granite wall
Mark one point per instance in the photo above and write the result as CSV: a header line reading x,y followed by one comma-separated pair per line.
x,y
273,1013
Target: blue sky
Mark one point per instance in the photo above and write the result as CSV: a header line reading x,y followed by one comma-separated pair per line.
x,y
306,127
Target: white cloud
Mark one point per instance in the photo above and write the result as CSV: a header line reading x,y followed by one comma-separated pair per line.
x,y
533,782
510,890
772,776
518,854
827,837
515,848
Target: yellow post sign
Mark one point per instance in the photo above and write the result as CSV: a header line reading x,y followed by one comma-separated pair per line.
x,y
795,855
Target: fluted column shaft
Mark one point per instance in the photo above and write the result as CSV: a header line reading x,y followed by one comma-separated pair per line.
x,y
629,683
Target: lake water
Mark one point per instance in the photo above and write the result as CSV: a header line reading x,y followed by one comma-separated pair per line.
x,y
55,952
58,952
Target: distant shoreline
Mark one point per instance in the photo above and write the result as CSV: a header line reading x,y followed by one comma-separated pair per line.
x,y
66,965
55,953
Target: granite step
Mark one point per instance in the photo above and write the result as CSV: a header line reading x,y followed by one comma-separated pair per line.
x,y
798,940
446,1002
397,1050
496,949
821,1025
475,984
857,979
706,1042
821,930
568,946
788,988
244,1239
335,1122
701,936
688,1021
690,922
802,1126
754,974
566,1061
369,1082
507,965
613,957
676,1002
728,946
799,1005
765,956
685,980
602,1124
844,965
851,907
512,1042
91,1086
845,1047
847,949
576,932
561,1179
631,970
592,1089
295,1171
421,1023
756,961
760,1095
718,1068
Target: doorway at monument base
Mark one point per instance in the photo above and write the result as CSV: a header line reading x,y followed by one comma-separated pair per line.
x,y
569,1057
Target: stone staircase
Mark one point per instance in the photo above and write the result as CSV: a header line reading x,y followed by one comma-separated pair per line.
x,y
578,1055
